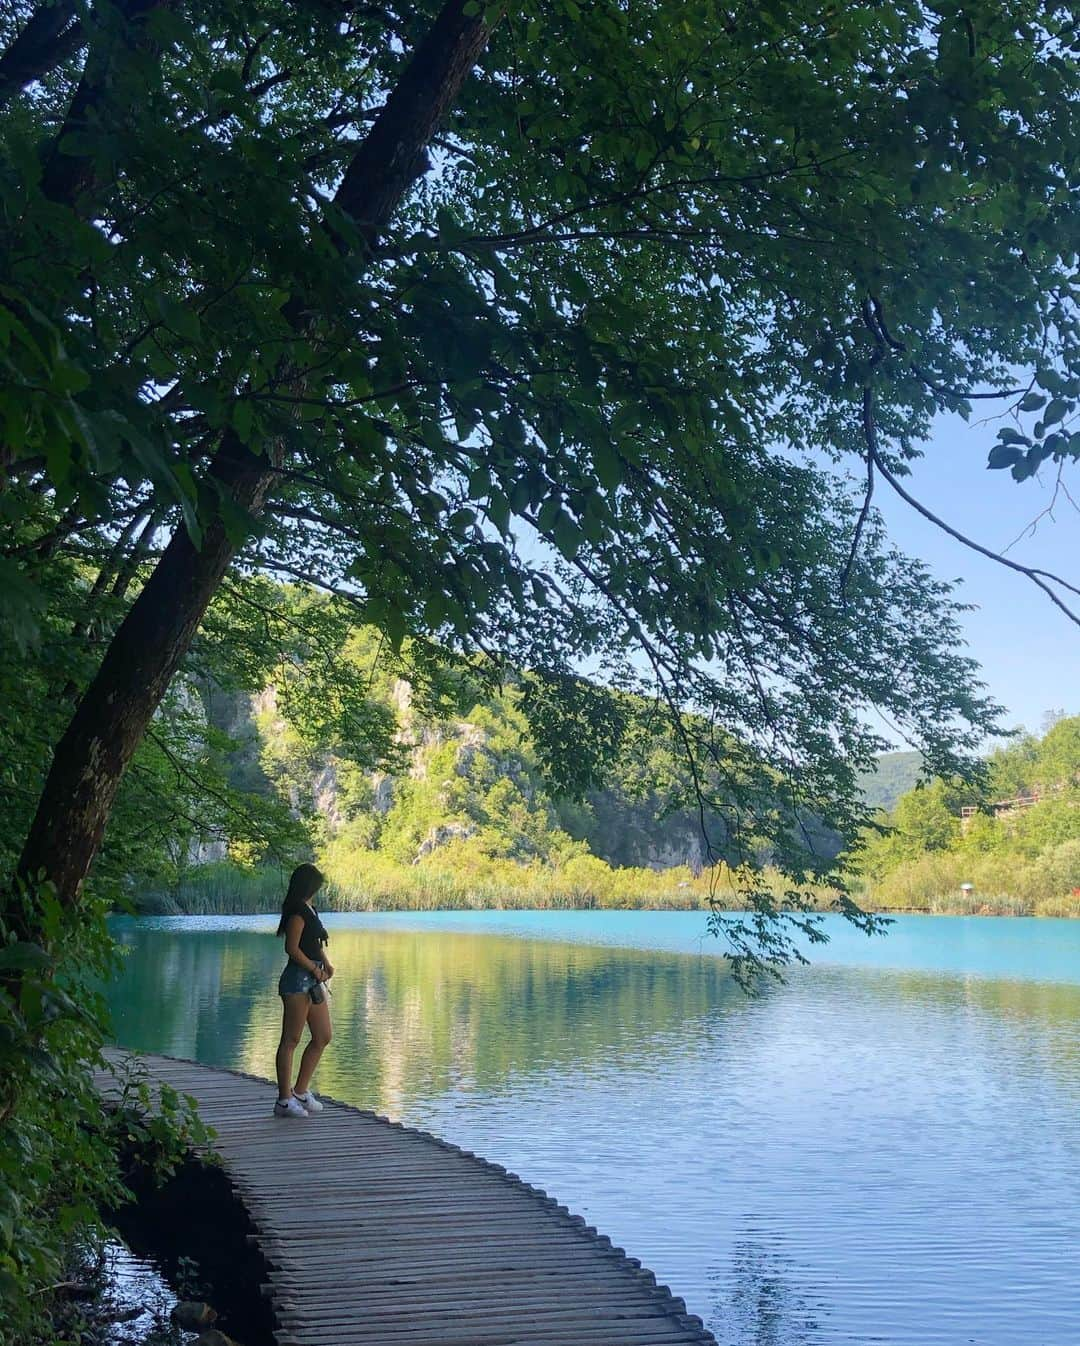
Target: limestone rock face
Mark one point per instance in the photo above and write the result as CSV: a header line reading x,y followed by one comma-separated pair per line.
x,y
207,852
620,826
324,790
382,794
439,836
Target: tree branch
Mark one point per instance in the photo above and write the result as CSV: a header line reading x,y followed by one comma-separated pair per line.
x,y
1033,573
51,35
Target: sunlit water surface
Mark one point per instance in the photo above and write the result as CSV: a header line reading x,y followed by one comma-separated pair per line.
x,y
886,1149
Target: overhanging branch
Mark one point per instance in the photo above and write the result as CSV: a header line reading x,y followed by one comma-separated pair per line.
x,y
1042,578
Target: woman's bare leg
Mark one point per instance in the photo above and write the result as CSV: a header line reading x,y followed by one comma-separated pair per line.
x,y
318,1021
293,1017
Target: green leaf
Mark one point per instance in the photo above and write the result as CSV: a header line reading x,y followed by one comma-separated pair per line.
x,y
1004,455
1055,412
368,437
242,418
498,509
22,956
626,418
567,535
548,512
22,606
69,377
178,317
608,465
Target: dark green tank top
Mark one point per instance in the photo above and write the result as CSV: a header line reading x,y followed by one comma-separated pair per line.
x,y
313,936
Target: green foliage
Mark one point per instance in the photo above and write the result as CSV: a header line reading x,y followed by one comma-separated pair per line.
x,y
61,1152
1018,849
213,888
892,774
566,413
462,811
923,821
563,413
463,877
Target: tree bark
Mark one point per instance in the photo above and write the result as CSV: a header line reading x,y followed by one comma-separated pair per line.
x,y
150,643
71,179
135,672
393,153
49,37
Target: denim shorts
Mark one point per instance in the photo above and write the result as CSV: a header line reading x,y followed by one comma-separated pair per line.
x,y
295,980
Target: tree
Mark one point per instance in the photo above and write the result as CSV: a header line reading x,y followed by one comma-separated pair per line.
x,y
302,291
1059,753
526,336
924,822
1014,769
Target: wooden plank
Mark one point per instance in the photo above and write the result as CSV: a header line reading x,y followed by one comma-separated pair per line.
x,y
481,1315
523,1286
617,1334
414,1242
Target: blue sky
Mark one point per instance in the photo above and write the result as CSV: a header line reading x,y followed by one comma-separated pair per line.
x,y
1028,649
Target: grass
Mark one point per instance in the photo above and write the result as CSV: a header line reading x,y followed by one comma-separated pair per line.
x,y
367,881
218,889
1002,884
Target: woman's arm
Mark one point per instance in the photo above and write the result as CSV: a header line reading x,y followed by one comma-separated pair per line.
x,y
294,928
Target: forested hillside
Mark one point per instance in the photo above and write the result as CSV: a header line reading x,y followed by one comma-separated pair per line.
x,y
893,774
429,791
1014,837
417,779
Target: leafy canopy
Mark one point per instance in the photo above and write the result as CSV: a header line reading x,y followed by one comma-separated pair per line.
x,y
561,412
569,407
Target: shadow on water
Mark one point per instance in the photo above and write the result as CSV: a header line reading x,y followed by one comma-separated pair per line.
x,y
196,1229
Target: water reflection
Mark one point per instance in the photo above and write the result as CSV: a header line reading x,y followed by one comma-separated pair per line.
x,y
414,1016
767,1307
864,1155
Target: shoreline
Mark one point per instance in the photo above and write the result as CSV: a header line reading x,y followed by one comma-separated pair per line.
x,y
173,909
227,888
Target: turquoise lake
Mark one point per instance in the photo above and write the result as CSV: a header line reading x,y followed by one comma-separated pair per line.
x,y
886,1149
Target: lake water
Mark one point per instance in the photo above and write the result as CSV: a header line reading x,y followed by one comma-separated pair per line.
x,y
884,1150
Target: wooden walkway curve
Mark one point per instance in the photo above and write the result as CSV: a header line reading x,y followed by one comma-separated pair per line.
x,y
379,1235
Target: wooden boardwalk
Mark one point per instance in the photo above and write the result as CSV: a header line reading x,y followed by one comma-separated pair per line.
x,y
379,1234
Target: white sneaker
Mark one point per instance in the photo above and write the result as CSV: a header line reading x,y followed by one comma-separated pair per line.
x,y
289,1107
309,1102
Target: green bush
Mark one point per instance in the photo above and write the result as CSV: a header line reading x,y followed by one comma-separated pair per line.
x,y
60,1150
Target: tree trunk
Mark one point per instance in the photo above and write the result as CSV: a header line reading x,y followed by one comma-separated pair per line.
x,y
150,643
48,38
138,666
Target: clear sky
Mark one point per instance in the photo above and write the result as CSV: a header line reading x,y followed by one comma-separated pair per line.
x,y
1028,649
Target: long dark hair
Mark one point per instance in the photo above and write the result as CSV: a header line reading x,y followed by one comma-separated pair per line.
x,y
305,882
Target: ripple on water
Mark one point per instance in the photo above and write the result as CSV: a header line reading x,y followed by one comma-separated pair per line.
x,y
868,1154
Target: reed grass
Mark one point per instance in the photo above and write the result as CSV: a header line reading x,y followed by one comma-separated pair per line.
x,y
218,889
1003,884
360,880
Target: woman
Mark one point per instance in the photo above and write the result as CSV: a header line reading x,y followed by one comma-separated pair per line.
x,y
302,996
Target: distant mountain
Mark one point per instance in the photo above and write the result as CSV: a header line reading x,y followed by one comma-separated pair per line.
x,y
894,775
